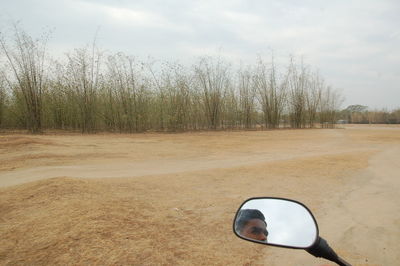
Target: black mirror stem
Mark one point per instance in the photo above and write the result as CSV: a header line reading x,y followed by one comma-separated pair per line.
x,y
323,250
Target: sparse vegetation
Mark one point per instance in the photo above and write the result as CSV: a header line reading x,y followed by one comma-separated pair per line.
x,y
91,91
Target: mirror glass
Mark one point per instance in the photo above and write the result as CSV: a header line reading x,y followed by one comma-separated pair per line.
x,y
277,222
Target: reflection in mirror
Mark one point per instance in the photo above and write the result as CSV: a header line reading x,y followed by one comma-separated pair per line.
x,y
276,221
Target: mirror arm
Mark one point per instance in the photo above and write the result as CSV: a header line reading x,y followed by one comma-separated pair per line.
x,y
322,249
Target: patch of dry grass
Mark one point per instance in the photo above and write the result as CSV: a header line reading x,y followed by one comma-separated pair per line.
x,y
375,133
21,161
71,221
9,141
182,218
170,219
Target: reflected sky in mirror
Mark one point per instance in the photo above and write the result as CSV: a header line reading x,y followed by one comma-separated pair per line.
x,y
288,223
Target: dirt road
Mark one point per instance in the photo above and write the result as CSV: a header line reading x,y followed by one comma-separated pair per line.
x,y
170,198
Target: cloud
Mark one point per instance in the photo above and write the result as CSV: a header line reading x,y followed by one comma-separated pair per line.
x,y
354,44
132,17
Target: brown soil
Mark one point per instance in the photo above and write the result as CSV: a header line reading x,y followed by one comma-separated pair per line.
x,y
166,199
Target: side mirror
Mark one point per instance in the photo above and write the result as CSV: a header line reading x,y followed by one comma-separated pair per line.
x,y
277,222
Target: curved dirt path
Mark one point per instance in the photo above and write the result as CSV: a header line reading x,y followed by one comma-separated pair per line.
x,y
142,155
149,168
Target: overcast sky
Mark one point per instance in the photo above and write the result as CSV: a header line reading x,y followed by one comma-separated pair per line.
x,y
354,44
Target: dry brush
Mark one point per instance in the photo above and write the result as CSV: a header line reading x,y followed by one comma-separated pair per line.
x,y
91,91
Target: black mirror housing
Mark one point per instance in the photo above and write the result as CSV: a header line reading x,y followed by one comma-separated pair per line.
x,y
277,222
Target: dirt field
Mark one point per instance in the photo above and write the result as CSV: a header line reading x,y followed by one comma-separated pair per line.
x,y
169,199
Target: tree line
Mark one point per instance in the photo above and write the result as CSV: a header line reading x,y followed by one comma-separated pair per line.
x,y
360,114
90,91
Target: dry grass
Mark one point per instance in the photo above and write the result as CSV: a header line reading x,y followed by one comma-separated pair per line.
x,y
62,221
18,141
180,218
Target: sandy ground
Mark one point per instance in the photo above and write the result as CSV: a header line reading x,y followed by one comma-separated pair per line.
x,y
166,199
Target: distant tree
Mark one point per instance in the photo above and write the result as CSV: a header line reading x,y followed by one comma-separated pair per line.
x,y
356,113
330,103
356,108
394,117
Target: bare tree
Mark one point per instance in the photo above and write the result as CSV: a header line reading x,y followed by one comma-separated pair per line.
x,y
83,79
247,96
127,99
230,113
175,89
2,98
297,82
271,94
213,80
330,103
313,97
26,60
57,102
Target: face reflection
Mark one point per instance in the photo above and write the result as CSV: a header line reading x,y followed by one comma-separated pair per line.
x,y
255,229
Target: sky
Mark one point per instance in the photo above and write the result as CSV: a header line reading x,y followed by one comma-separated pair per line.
x,y
355,45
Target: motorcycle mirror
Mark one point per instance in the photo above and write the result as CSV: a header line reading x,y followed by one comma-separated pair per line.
x,y
277,222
